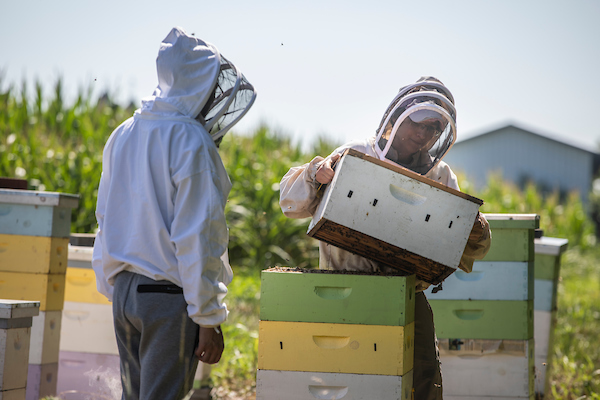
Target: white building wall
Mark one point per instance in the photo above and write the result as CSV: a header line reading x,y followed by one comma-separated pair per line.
x,y
519,154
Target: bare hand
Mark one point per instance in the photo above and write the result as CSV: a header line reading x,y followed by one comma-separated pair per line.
x,y
210,345
325,172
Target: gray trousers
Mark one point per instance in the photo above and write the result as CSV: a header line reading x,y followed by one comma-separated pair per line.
x,y
427,373
156,341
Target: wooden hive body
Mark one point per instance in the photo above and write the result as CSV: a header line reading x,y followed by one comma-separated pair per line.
x,y
320,296
395,216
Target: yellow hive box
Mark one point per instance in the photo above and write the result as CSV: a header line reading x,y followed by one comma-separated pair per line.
x,y
33,254
48,289
342,348
81,287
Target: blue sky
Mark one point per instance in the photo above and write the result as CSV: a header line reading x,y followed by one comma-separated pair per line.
x,y
331,67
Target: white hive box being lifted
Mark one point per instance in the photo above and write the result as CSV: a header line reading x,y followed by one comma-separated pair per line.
x,y
395,216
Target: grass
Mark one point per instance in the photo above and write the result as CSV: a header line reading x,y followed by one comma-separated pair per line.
x,y
575,368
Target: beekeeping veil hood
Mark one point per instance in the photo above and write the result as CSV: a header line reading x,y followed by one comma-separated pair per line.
x,y
195,80
426,106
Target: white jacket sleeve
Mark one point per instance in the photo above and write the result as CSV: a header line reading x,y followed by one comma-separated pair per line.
x,y
101,280
199,233
298,190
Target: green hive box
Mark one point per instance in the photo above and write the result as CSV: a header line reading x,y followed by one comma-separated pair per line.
x,y
512,237
548,252
333,297
483,319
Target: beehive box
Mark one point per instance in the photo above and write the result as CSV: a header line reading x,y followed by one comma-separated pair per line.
x,y
277,385
80,256
48,289
548,252
489,280
80,286
88,328
33,213
512,237
395,216
33,254
15,329
481,369
297,295
483,319
340,348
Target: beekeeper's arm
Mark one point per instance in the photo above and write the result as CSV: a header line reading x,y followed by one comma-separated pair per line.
x,y
480,238
298,188
478,244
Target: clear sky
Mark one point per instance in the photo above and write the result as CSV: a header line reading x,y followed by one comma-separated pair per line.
x,y
331,67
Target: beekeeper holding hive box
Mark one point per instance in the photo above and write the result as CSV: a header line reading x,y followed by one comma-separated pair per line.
x,y
416,131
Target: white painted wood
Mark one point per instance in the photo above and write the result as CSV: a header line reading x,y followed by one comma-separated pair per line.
x,y
541,369
18,308
502,368
80,256
551,246
508,217
88,328
14,356
290,385
544,294
543,324
491,280
38,198
427,220
45,337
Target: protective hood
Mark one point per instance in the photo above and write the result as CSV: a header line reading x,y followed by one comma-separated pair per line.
x,y
418,127
196,81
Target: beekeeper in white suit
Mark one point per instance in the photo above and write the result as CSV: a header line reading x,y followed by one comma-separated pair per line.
x,y
416,131
160,251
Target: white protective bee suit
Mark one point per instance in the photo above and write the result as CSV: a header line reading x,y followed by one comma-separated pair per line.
x,y
160,251
424,100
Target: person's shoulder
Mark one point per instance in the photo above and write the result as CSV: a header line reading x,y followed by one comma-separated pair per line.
x,y
443,174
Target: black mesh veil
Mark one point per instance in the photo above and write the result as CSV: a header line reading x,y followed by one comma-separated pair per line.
x,y
232,98
418,127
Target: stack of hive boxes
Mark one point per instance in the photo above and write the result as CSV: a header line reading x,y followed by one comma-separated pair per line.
x,y
330,335
15,333
339,335
34,236
87,341
548,252
484,319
